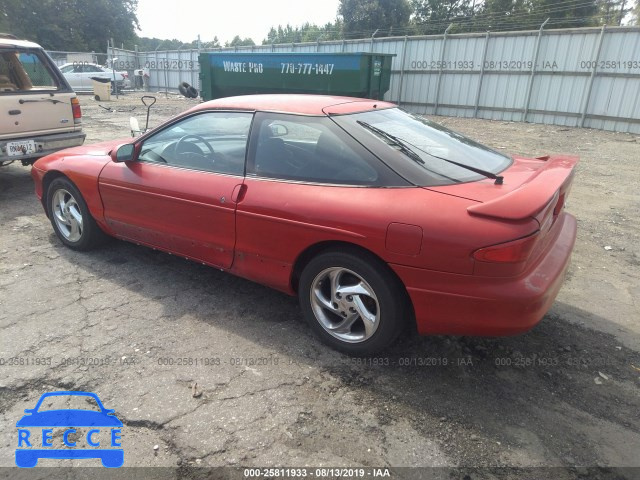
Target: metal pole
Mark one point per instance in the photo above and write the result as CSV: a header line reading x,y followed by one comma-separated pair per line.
x,y
195,69
442,52
343,45
166,74
157,66
585,106
113,68
179,62
404,56
533,70
137,67
194,75
484,59
374,34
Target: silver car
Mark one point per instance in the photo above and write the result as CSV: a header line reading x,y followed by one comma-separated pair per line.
x,y
79,74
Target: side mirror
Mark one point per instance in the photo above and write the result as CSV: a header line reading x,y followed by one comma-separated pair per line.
x,y
278,130
124,153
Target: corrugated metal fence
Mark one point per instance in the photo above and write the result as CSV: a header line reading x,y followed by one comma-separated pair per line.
x,y
575,77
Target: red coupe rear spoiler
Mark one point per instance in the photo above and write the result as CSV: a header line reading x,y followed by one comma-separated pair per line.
x,y
533,195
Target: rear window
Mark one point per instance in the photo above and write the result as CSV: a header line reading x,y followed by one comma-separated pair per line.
x,y
431,146
25,71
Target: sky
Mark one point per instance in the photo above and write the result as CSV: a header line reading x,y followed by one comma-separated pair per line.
x,y
226,19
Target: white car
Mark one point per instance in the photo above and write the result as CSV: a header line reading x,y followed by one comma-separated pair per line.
x,y
79,74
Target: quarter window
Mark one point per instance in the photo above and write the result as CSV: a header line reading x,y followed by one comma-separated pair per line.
x,y
210,141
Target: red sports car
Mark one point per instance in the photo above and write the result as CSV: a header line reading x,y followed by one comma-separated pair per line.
x,y
374,217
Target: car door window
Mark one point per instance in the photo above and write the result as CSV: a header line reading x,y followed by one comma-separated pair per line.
x,y
311,149
209,141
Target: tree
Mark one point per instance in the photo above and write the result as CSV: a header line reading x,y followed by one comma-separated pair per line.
x,y
308,32
363,17
146,44
433,16
239,42
581,14
215,43
81,25
500,15
612,12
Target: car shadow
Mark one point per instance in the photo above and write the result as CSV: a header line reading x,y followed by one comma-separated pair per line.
x,y
560,380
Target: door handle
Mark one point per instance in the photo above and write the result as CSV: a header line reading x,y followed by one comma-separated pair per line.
x,y
238,193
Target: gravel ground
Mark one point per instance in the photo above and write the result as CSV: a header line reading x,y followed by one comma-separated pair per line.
x,y
130,324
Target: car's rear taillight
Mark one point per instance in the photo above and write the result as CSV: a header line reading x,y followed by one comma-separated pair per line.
x,y
75,107
511,252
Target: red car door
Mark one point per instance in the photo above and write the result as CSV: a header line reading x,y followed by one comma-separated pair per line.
x,y
303,186
178,195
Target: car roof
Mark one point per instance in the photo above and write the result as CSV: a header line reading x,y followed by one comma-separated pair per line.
x,y
10,42
296,104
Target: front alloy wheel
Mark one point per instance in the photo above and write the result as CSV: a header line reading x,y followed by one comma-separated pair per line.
x,y
67,215
70,216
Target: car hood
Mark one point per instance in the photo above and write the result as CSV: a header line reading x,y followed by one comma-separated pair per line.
x,y
96,149
69,418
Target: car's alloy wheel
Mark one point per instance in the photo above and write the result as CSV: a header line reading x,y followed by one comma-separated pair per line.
x,y
345,305
67,215
352,301
70,216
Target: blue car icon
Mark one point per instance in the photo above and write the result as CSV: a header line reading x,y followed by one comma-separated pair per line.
x,y
97,422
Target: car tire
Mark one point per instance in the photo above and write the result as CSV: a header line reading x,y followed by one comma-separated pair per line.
x,y
352,301
70,216
183,88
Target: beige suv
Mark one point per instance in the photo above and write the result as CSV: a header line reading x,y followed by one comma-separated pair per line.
x,y
39,112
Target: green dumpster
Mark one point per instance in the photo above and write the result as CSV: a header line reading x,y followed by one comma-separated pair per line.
x,y
365,75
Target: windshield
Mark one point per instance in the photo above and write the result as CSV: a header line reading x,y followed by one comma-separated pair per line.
x,y
430,148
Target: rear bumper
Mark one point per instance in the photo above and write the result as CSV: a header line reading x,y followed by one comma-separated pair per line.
x,y
453,304
45,144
